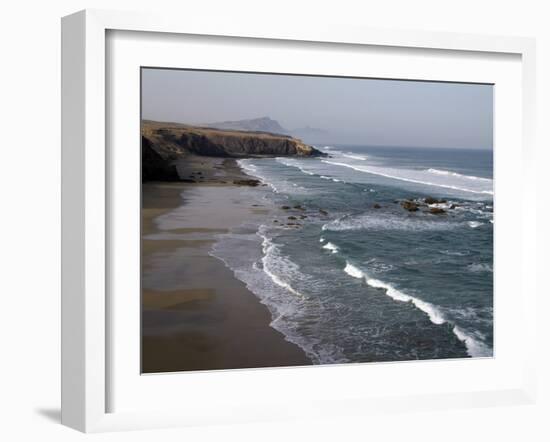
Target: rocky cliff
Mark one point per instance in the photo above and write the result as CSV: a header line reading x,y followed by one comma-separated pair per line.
x,y
171,141
153,166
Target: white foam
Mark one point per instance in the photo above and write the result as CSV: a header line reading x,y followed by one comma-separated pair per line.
x,y
475,224
459,175
432,311
355,157
293,163
276,185
475,348
386,222
351,270
247,166
414,177
331,247
478,267
274,263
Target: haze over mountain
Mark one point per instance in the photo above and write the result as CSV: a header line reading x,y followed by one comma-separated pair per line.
x,y
365,112
266,124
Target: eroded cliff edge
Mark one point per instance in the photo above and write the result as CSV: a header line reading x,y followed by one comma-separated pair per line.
x,y
164,143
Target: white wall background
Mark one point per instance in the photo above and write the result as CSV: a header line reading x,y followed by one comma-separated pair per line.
x,y
30,220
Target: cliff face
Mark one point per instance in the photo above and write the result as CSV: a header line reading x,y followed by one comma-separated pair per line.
x,y
171,141
153,166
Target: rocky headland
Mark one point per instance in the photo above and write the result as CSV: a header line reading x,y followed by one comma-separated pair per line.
x,y
164,144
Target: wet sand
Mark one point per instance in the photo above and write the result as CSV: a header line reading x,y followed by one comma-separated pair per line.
x,y
195,314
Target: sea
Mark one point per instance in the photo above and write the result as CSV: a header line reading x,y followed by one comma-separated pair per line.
x,y
349,275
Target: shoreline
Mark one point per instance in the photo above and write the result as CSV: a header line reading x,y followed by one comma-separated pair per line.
x,y
196,315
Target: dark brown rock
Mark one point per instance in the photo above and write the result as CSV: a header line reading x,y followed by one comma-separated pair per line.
x,y
247,182
175,140
411,206
430,200
154,167
436,211
377,206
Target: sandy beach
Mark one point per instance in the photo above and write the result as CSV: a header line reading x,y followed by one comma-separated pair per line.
x,y
195,314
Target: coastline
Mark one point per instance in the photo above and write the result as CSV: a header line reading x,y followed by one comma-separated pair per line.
x,y
196,315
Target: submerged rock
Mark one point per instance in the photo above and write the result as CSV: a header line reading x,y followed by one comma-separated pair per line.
x,y
377,206
323,212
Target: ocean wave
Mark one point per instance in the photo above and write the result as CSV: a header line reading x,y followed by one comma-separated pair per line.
x,y
353,271
355,157
459,175
454,253
393,174
475,224
474,346
280,186
433,313
276,280
275,265
331,247
293,163
386,222
480,267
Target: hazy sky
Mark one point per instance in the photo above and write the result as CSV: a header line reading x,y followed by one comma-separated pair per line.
x,y
353,111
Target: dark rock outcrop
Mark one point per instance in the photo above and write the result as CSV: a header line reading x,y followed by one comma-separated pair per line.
x,y
250,182
430,200
154,167
436,211
411,206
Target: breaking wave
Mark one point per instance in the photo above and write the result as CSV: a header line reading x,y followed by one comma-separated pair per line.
x,y
412,176
475,347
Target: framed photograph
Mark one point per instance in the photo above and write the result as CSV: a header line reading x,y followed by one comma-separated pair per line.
x,y
262,223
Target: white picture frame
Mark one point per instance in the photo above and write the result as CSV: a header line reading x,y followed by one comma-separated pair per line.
x,y
85,210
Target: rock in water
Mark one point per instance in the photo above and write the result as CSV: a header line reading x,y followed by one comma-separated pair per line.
x,y
411,206
430,200
250,182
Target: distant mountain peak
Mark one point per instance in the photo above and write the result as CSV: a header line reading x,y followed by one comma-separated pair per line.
x,y
261,124
267,124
